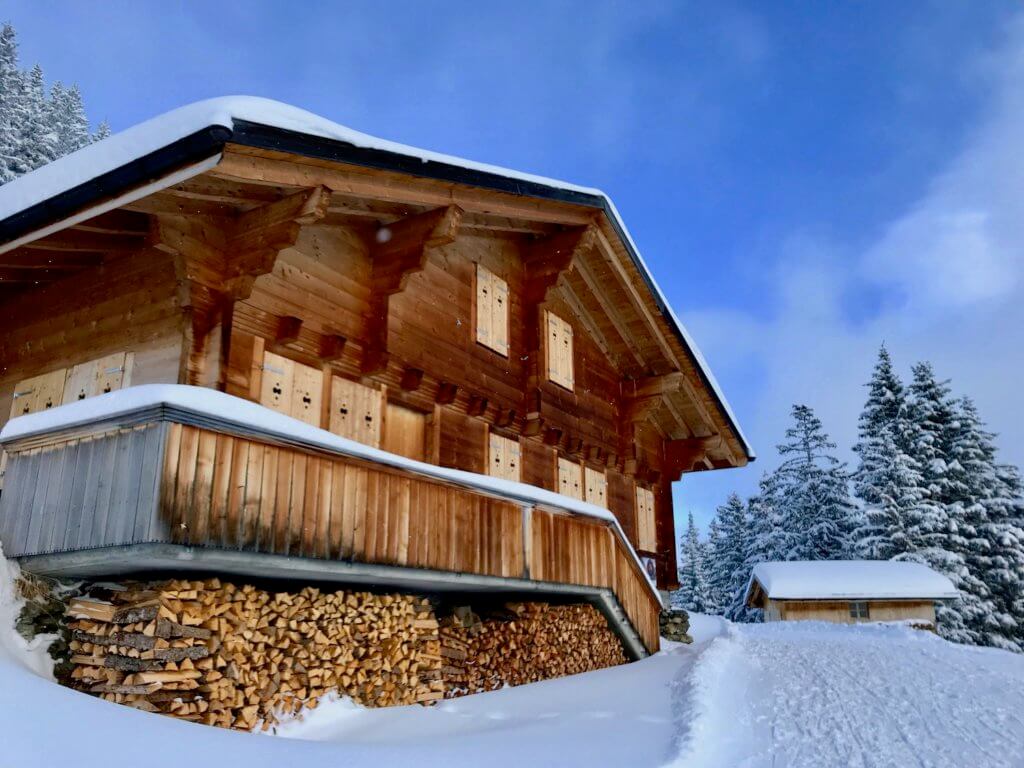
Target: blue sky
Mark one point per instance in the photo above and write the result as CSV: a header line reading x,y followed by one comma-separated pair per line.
x,y
804,179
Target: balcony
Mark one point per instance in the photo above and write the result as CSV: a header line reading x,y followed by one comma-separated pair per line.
x,y
176,478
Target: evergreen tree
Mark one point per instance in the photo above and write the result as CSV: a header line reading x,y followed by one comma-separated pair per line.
x,y
102,131
940,536
728,547
38,139
36,129
884,417
693,587
810,494
991,540
11,106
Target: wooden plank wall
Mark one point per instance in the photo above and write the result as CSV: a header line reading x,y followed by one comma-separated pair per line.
x,y
574,550
84,492
838,611
227,491
131,304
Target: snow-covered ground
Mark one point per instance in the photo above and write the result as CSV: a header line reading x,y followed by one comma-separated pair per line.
x,y
769,695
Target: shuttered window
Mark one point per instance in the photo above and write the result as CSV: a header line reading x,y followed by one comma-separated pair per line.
x,y
491,310
558,350
596,487
646,535
570,479
504,459
355,411
292,388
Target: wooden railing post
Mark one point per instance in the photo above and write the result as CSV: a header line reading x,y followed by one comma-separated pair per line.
x,y
527,539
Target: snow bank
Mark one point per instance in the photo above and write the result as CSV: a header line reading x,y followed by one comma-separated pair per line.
x,y
140,140
850,579
14,648
251,416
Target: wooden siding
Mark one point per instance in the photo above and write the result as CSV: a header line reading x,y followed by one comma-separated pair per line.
x,y
838,611
189,485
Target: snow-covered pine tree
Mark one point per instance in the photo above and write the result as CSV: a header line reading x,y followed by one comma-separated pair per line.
x,y
939,533
102,131
693,587
35,129
891,484
810,493
39,140
67,117
884,414
11,106
991,540
713,549
727,566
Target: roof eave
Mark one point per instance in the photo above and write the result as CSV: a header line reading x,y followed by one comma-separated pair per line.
x,y
211,140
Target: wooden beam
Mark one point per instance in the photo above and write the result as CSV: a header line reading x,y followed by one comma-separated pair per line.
x,y
446,392
610,311
255,166
75,240
287,331
412,378
398,251
596,334
332,347
33,259
683,456
477,405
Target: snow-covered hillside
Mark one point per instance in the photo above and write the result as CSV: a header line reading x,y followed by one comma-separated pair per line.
x,y
771,695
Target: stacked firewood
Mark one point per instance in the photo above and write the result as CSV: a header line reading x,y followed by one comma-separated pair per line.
x,y
241,657
524,643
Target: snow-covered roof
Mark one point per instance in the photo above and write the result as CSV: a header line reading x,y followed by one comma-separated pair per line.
x,y
139,144
850,579
230,410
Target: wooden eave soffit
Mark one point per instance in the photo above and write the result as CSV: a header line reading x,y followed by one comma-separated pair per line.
x,y
692,454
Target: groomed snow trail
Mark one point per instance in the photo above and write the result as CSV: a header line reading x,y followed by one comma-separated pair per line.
x,y
812,694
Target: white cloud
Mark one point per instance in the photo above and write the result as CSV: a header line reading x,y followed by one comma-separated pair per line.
x,y
951,266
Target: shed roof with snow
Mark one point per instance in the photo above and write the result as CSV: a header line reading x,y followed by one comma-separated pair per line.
x,y
848,580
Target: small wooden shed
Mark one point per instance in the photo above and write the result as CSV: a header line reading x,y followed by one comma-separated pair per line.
x,y
848,591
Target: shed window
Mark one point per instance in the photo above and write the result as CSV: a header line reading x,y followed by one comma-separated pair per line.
x,y
859,610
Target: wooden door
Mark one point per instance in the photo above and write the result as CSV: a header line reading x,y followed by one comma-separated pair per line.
x,y
405,432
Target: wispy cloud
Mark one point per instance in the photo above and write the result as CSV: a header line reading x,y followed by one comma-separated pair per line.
x,y
950,269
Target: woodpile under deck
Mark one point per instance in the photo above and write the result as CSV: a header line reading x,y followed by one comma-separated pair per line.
x,y
163,487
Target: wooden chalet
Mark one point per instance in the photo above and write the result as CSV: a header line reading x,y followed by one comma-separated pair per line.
x,y
372,317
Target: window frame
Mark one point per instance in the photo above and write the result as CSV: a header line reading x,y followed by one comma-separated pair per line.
x,y
860,609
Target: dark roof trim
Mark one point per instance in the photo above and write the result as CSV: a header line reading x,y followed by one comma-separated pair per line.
x,y
147,169
209,141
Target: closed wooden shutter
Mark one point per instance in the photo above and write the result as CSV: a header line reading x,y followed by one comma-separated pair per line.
x,y
278,383
559,350
98,377
355,411
596,486
504,460
307,394
570,479
292,388
405,432
647,539
38,393
491,310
